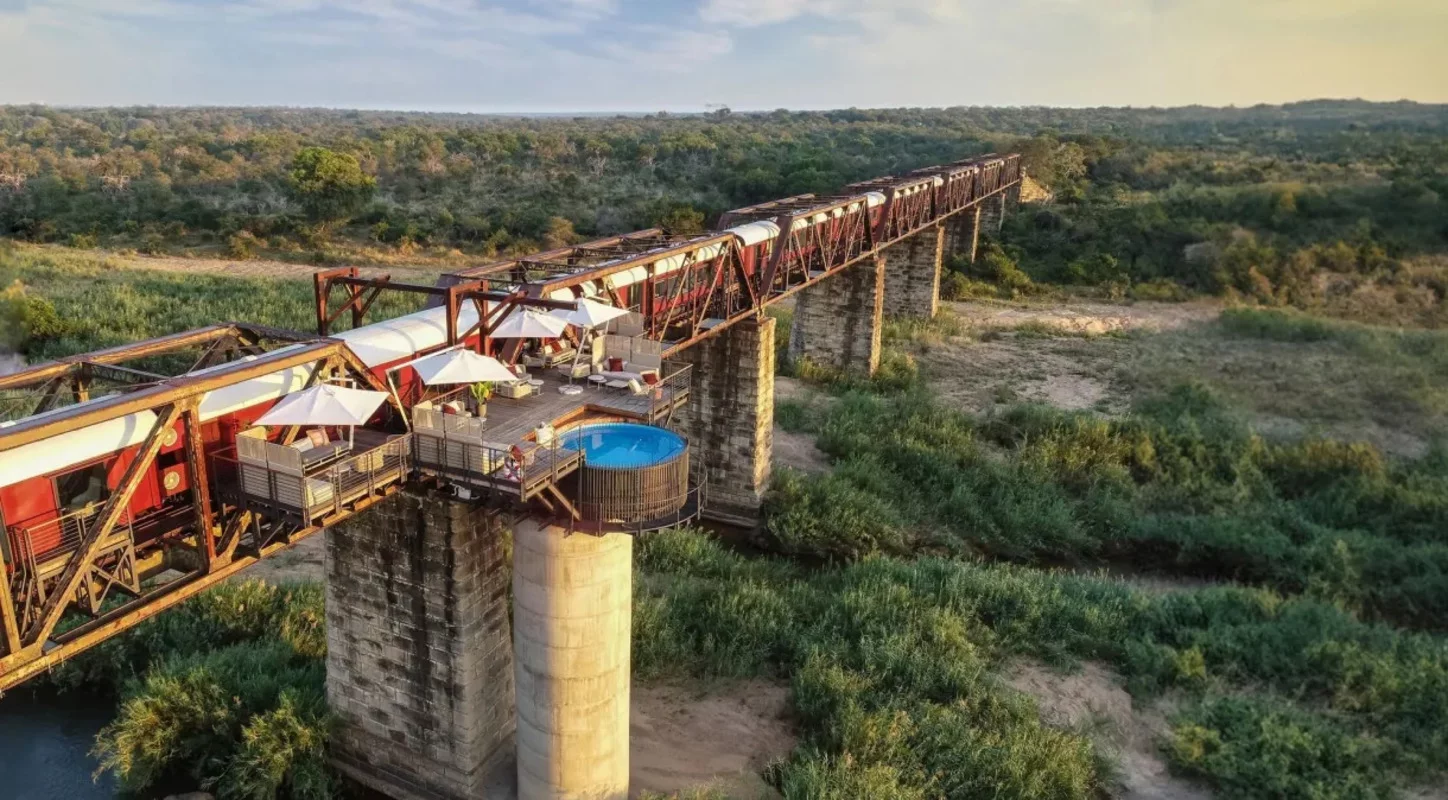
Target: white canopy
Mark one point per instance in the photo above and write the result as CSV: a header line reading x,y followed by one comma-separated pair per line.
x,y
461,366
529,324
590,314
325,404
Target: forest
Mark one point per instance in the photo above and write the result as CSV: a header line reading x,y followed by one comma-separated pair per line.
x,y
1253,189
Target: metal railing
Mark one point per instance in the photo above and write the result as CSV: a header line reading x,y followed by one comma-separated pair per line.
x,y
675,382
42,548
456,447
279,487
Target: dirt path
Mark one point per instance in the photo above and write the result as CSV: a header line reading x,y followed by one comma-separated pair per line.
x,y
244,269
1092,700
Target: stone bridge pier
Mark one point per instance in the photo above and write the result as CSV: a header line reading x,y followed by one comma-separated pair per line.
x,y
729,420
419,649
962,235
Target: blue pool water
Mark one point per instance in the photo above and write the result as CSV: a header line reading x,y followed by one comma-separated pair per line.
x,y
622,445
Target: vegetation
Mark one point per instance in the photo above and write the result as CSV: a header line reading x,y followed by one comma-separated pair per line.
x,y
901,583
891,663
225,693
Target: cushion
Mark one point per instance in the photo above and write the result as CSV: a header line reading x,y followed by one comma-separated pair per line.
x,y
318,436
302,445
615,364
651,377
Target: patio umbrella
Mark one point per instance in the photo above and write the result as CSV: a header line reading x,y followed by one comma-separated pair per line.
x,y
529,324
461,366
325,404
588,315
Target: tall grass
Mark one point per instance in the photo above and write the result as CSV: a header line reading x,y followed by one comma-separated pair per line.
x,y
1182,487
892,665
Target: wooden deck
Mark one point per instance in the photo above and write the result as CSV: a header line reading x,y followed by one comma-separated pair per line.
x,y
514,421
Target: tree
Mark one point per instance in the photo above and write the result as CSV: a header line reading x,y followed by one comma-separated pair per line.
x,y
331,187
681,219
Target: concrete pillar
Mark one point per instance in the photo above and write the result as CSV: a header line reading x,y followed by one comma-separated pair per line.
x,y
837,321
572,618
912,274
962,235
419,657
729,420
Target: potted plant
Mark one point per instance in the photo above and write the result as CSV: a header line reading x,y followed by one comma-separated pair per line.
x,y
481,391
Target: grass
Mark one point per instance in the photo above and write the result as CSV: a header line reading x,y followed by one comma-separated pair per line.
x,y
1346,379
100,303
224,693
892,665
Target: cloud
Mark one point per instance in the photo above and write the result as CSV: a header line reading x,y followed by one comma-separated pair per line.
x,y
611,54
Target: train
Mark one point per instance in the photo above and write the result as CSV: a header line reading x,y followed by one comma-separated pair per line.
x,y
647,286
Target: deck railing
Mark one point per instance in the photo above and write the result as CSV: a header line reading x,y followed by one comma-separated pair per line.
x,y
675,381
456,447
40,547
281,488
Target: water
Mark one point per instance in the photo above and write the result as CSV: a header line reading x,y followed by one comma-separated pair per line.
x,y
622,445
45,744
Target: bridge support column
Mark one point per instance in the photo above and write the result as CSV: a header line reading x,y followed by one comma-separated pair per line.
x,y
419,657
729,420
837,321
572,617
993,212
912,274
962,235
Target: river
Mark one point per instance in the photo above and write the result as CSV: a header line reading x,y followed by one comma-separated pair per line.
x,y
45,743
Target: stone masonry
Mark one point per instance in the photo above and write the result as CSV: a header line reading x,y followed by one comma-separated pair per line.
x,y
419,650
912,274
962,234
993,212
837,321
729,420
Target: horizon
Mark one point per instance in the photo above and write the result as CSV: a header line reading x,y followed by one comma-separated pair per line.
x,y
704,111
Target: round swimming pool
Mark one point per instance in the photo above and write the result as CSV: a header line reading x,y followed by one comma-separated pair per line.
x,y
623,445
631,473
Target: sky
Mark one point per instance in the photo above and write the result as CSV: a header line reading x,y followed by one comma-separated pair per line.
x,y
685,55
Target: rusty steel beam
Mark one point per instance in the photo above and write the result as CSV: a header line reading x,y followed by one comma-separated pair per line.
x,y
197,476
17,668
8,621
30,430
115,507
113,355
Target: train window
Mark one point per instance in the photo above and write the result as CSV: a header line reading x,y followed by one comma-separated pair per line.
x,y
79,488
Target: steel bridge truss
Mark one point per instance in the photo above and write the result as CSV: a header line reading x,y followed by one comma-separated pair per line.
x,y
696,286
103,579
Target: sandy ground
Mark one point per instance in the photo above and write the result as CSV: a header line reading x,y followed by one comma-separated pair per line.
x,y
1093,701
723,737
1102,357
796,450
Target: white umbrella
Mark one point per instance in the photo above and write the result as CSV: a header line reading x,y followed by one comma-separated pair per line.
x,y
461,366
325,404
590,314
529,324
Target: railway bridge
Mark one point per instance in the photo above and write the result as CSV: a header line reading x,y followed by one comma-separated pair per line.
x,y
135,477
